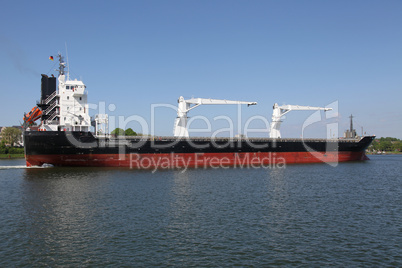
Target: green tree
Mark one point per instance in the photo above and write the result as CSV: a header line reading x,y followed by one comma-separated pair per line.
x,y
130,132
118,132
376,145
11,135
396,146
3,148
385,145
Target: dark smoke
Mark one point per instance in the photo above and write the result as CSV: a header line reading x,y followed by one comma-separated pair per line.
x,y
17,56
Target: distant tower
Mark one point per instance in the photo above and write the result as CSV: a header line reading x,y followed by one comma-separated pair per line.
x,y
350,133
351,123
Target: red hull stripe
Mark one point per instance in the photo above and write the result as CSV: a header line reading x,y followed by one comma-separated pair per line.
x,y
202,160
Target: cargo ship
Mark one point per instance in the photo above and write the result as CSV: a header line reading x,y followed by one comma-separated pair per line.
x,y
68,136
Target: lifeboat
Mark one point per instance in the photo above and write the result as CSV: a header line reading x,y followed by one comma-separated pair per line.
x,y
33,115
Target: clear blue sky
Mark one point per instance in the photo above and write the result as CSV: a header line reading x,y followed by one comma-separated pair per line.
x,y
137,53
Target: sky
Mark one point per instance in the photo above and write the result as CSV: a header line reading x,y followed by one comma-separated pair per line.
x,y
135,56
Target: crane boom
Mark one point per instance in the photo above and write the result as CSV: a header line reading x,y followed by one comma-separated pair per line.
x,y
302,108
280,111
215,101
184,106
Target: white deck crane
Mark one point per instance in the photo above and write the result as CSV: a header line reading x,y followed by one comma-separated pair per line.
x,y
184,106
280,111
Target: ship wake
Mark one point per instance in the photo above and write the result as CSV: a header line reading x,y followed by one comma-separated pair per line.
x,y
24,167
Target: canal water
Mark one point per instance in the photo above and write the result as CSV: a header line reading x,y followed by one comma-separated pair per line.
x,y
301,215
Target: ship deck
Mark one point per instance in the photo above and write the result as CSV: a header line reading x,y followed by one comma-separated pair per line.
x,y
224,139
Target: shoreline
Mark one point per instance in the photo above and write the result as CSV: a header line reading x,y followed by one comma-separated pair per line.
x,y
12,156
386,153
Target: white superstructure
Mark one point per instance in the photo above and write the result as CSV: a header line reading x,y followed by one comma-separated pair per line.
x,y
68,106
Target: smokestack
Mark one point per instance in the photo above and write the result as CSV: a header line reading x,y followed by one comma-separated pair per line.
x,y
48,86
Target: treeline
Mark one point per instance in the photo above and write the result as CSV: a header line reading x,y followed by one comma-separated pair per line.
x,y
10,150
387,144
127,132
11,136
11,143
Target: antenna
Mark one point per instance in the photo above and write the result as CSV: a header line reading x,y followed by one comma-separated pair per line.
x,y
68,65
61,64
351,123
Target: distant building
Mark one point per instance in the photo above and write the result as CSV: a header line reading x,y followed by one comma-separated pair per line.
x,y
351,132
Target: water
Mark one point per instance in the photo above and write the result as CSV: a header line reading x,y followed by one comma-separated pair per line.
x,y
303,215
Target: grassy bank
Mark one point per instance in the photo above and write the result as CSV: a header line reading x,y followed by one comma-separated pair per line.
x,y
11,156
10,152
371,153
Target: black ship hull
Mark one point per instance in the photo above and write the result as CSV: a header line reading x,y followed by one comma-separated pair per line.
x,y
60,148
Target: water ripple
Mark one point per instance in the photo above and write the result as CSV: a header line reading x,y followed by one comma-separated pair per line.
x,y
304,215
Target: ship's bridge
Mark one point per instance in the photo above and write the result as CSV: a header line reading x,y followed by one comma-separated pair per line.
x,y
77,87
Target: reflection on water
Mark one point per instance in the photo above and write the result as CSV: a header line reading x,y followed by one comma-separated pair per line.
x,y
61,207
308,215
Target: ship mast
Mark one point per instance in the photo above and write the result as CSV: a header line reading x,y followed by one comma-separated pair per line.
x,y
62,64
351,123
